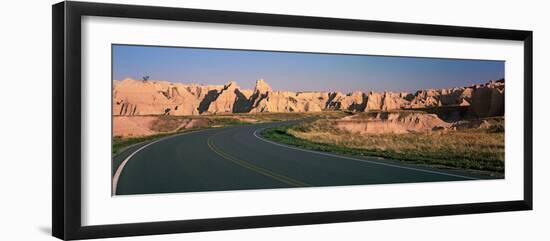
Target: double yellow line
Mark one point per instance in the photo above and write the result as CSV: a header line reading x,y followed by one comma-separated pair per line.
x,y
252,167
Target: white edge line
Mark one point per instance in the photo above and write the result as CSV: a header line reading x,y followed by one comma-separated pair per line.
x,y
121,166
361,160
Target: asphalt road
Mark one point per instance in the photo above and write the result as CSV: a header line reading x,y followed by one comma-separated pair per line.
x,y
238,158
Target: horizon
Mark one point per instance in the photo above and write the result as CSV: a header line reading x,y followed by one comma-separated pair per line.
x,y
298,71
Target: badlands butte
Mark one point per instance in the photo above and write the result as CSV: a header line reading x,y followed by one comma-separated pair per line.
x,y
145,98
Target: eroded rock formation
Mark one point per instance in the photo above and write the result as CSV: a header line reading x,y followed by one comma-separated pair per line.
x,y
388,122
136,97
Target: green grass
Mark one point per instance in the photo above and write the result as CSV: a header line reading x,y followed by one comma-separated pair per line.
x,y
472,150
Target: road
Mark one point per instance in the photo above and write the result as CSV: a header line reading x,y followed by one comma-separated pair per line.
x,y
238,158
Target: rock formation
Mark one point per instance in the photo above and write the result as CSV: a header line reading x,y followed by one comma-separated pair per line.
x,y
387,122
355,101
227,99
137,97
488,100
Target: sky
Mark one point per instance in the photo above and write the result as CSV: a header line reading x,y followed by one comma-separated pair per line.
x,y
295,71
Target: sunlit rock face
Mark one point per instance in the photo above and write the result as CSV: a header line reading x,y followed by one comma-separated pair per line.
x,y
139,98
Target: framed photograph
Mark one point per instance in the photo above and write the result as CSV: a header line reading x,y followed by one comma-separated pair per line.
x,y
169,120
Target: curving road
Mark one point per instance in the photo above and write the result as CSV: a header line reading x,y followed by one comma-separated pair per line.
x,y
237,158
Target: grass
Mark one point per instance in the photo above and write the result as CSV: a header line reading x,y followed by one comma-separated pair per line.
x,y
283,116
473,149
167,123
225,121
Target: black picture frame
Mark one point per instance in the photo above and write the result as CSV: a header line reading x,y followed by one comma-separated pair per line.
x,y
66,47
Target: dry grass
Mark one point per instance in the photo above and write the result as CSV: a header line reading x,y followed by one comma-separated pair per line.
x,y
477,149
283,116
459,143
462,142
167,123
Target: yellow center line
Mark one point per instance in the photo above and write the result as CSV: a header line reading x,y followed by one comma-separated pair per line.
x,y
252,167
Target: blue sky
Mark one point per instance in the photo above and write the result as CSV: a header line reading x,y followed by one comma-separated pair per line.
x,y
300,71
